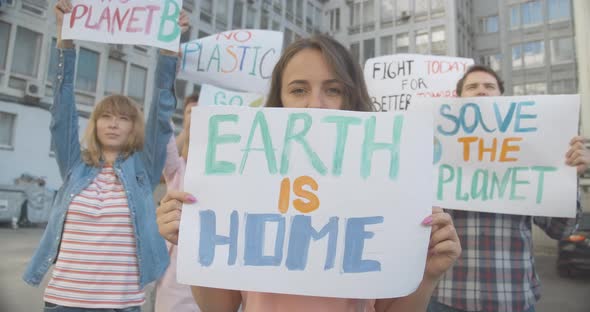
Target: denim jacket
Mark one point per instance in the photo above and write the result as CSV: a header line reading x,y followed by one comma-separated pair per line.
x,y
139,173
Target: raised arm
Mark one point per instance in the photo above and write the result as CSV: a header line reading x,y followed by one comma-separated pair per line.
x,y
64,116
158,130
163,104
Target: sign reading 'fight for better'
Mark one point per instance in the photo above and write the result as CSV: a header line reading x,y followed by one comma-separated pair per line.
x,y
395,81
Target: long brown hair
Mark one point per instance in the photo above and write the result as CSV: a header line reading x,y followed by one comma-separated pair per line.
x,y
189,99
117,105
346,70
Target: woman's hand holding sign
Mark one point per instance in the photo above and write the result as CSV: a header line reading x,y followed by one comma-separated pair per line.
x,y
444,247
168,214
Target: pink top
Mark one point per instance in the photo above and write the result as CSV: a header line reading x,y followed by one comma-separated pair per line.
x,y
267,302
171,296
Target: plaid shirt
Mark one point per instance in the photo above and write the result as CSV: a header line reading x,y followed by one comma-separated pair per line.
x,y
496,270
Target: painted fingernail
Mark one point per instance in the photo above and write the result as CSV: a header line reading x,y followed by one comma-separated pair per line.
x,y
427,220
191,199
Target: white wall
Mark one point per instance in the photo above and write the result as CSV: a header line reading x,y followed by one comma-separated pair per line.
x,y
581,11
31,141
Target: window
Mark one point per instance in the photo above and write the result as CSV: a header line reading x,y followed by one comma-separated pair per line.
x,y
488,24
369,15
87,72
439,43
534,53
288,37
514,17
203,34
318,19
355,51
221,14
116,76
437,8
188,5
335,20
532,13
264,19
562,50
355,14
564,86
559,10
34,6
386,12
421,9
289,9
206,10
27,48
493,61
387,45
6,129
536,88
237,16
402,43
518,89
276,25
207,6
4,37
422,42
185,36
277,6
299,12
309,16
52,67
516,56
402,11
7,2
251,17
368,49
137,81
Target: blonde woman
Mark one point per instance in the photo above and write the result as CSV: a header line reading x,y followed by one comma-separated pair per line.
x,y
102,235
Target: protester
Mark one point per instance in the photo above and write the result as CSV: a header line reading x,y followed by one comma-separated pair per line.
x,y
496,271
318,73
102,233
170,295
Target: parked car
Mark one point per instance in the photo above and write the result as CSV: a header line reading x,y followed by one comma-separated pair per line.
x,y
573,254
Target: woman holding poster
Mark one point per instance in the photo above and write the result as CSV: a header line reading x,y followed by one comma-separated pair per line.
x,y
102,234
170,295
319,73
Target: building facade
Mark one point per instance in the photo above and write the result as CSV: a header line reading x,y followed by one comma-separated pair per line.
x,y
27,59
530,42
380,27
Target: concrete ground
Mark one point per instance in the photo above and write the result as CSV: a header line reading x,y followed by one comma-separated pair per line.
x,y
559,294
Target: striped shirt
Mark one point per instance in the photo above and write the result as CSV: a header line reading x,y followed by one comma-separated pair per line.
x,y
97,263
496,270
